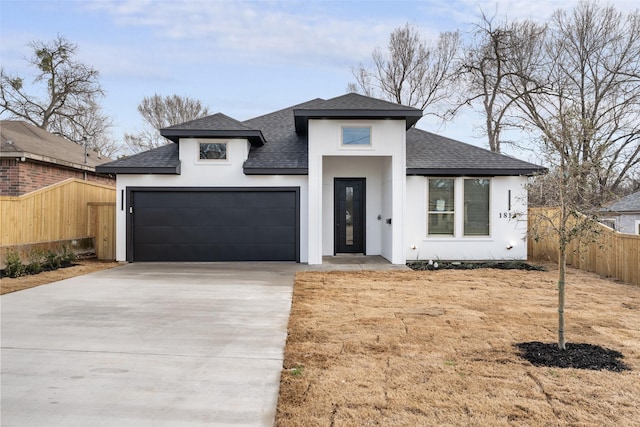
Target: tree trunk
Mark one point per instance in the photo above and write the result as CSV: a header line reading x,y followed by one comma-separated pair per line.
x,y
562,266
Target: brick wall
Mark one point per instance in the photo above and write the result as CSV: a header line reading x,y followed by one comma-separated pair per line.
x,y
17,178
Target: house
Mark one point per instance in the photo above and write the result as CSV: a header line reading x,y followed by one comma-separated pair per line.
x,y
623,215
32,158
349,174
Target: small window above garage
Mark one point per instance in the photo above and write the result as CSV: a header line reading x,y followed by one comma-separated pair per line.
x,y
213,151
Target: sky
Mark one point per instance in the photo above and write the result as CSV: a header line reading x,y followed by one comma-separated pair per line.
x,y
241,58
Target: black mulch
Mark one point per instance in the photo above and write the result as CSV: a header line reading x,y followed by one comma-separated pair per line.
x,y
453,265
578,356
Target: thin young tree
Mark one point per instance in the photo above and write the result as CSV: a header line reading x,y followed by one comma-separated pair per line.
x,y
411,71
159,112
63,97
587,116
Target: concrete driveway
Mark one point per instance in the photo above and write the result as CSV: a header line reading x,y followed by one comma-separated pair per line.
x,y
148,345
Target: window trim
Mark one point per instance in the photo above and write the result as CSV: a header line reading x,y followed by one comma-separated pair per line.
x,y
226,157
356,146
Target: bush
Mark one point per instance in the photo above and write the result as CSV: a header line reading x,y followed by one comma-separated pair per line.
x,y
67,257
14,266
53,260
35,261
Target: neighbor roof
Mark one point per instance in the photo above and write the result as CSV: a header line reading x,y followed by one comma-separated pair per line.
x,y
630,203
285,148
20,139
214,126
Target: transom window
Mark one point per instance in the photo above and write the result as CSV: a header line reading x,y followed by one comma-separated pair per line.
x,y
213,151
356,136
441,207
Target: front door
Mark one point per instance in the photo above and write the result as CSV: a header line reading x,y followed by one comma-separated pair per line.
x,y
349,215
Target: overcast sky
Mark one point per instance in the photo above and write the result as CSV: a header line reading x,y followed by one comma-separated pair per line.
x,y
242,58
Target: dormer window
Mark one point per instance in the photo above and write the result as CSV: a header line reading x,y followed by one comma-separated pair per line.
x,y
213,151
356,136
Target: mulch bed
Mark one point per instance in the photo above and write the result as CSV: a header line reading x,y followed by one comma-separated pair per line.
x,y
459,265
578,356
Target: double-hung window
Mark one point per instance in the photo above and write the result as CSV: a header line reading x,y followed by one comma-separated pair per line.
x,y
476,207
465,215
441,214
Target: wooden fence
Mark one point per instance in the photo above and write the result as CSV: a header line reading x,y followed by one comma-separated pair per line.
x,y
610,254
71,209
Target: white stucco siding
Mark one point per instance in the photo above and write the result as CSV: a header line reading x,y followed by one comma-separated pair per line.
x,y
507,234
383,159
195,173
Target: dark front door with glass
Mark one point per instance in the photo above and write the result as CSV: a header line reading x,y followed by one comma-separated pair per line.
x,y
349,215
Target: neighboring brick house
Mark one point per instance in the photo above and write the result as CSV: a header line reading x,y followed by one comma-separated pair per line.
x,y
32,158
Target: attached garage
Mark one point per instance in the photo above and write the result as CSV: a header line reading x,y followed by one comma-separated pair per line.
x,y
213,224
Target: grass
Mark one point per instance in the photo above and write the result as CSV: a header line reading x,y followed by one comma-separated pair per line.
x,y
438,348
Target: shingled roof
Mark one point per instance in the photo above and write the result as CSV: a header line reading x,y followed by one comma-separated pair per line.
x,y
431,154
214,126
161,160
23,140
354,106
280,145
630,203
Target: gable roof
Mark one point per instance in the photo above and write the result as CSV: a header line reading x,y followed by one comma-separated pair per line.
x,y
161,160
20,139
431,154
630,203
354,106
215,126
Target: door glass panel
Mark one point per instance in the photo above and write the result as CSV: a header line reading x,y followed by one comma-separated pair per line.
x,y
349,216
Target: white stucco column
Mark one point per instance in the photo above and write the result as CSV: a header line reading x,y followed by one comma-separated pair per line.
x,y
315,207
399,190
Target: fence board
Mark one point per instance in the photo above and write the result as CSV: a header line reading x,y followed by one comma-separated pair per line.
x,y
611,254
102,225
57,212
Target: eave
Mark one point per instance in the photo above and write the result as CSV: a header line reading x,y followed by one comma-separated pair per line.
x,y
255,137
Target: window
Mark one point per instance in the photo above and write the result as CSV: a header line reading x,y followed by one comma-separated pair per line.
x,y
609,222
213,151
356,136
441,207
476,207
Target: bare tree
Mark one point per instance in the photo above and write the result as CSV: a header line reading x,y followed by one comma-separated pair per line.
x,y
495,54
588,117
67,104
159,112
589,109
411,72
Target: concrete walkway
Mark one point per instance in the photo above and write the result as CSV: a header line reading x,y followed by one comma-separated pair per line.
x,y
148,345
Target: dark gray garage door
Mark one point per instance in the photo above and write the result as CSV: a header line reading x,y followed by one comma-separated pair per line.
x,y
214,225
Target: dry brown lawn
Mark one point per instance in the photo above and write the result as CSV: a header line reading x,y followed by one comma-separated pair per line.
x,y
437,348
84,266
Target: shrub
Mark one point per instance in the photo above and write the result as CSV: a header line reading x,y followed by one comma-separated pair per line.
x,y
53,260
35,261
14,266
66,256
